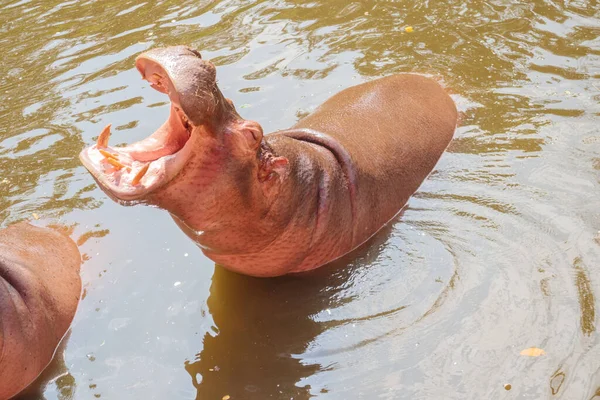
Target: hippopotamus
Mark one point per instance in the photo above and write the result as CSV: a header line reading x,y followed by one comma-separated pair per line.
x,y
286,202
40,288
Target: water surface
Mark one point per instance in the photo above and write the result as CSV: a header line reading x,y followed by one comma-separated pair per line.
x,y
498,251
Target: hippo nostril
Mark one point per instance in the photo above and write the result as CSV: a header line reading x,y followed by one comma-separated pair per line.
x,y
196,53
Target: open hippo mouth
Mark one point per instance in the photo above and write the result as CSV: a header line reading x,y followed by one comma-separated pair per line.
x,y
133,171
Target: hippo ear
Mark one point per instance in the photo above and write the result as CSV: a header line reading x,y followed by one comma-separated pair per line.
x,y
272,167
253,133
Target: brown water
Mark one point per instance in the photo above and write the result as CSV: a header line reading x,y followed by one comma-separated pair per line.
x,y
499,250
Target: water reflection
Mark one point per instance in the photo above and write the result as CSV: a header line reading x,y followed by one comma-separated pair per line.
x,y
263,327
586,298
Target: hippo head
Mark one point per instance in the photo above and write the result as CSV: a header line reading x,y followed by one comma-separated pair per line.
x,y
204,154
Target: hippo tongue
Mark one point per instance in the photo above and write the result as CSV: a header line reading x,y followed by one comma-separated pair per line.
x,y
166,140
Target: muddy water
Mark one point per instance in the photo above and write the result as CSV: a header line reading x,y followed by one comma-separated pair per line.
x,y
499,250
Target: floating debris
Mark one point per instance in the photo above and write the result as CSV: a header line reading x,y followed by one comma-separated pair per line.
x,y
533,352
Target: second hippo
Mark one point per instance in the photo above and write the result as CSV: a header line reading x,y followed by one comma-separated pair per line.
x,y
40,288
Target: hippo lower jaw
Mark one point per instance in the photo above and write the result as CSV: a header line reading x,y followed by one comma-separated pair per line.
x,y
131,172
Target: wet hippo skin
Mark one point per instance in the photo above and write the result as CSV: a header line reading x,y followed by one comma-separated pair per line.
x,y
39,291
290,201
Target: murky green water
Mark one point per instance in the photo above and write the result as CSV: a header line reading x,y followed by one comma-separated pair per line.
x,y
498,251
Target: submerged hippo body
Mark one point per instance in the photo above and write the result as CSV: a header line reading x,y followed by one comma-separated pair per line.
x,y
289,201
39,293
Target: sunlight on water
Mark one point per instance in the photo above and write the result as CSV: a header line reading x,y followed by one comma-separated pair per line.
x,y
497,252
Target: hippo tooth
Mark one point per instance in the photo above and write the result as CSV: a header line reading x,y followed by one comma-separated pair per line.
x,y
138,177
106,154
115,163
104,135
